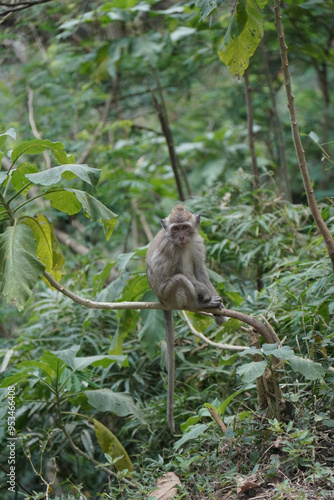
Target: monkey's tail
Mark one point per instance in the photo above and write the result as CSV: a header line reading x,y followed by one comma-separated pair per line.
x,y
168,315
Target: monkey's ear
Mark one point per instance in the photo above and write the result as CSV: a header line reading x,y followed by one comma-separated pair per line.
x,y
163,223
198,219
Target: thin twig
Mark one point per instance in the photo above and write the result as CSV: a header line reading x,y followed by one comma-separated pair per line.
x,y
251,139
200,335
170,143
33,124
325,232
9,7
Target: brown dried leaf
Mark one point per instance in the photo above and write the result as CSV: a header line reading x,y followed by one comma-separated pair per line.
x,y
246,485
165,486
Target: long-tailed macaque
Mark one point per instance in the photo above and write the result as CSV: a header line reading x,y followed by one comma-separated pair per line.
x,y
175,268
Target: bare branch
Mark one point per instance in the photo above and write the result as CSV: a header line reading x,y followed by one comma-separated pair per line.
x,y
33,124
200,335
260,327
14,7
321,225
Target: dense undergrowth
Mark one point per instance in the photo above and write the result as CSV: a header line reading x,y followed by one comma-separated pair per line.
x,y
291,459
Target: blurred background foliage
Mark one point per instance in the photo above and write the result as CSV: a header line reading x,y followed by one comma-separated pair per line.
x,y
88,74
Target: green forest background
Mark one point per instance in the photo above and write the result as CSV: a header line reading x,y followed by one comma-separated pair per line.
x,y
112,112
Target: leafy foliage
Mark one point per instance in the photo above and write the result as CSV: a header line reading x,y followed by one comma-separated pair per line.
x,y
90,385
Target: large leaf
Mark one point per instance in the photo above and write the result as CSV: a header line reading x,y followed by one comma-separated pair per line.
x,y
72,201
207,6
243,35
308,368
116,402
9,133
111,445
38,146
20,268
53,175
69,357
192,433
251,371
18,177
152,332
48,248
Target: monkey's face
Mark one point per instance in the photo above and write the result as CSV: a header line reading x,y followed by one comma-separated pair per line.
x,y
181,234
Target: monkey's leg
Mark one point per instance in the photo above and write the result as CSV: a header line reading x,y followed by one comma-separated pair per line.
x,y
168,315
178,292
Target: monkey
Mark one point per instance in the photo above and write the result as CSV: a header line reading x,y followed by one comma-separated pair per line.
x,y
175,269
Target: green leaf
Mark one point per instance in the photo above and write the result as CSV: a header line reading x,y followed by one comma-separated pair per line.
x,y
38,146
251,371
116,402
243,35
228,328
207,6
18,177
53,175
48,248
308,368
9,133
228,360
227,401
68,356
152,331
20,268
111,445
72,201
193,433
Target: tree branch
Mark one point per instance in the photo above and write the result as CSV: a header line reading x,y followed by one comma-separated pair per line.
x,y
257,325
10,7
251,139
321,225
229,347
170,143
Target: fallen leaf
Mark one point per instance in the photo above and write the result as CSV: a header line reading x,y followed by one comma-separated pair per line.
x,y
246,485
165,487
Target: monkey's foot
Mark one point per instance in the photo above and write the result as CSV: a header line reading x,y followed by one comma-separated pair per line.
x,y
214,302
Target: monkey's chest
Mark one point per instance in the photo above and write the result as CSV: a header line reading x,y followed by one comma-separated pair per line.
x,y
185,263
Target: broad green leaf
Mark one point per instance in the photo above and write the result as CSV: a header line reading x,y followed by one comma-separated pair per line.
x,y
48,248
116,402
152,331
20,268
53,175
282,352
111,445
227,401
72,201
181,32
243,35
38,146
9,133
192,433
189,422
228,328
207,6
251,371
40,365
68,356
308,368
228,360
18,177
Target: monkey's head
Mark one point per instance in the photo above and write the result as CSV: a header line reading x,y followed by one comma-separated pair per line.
x,y
181,225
